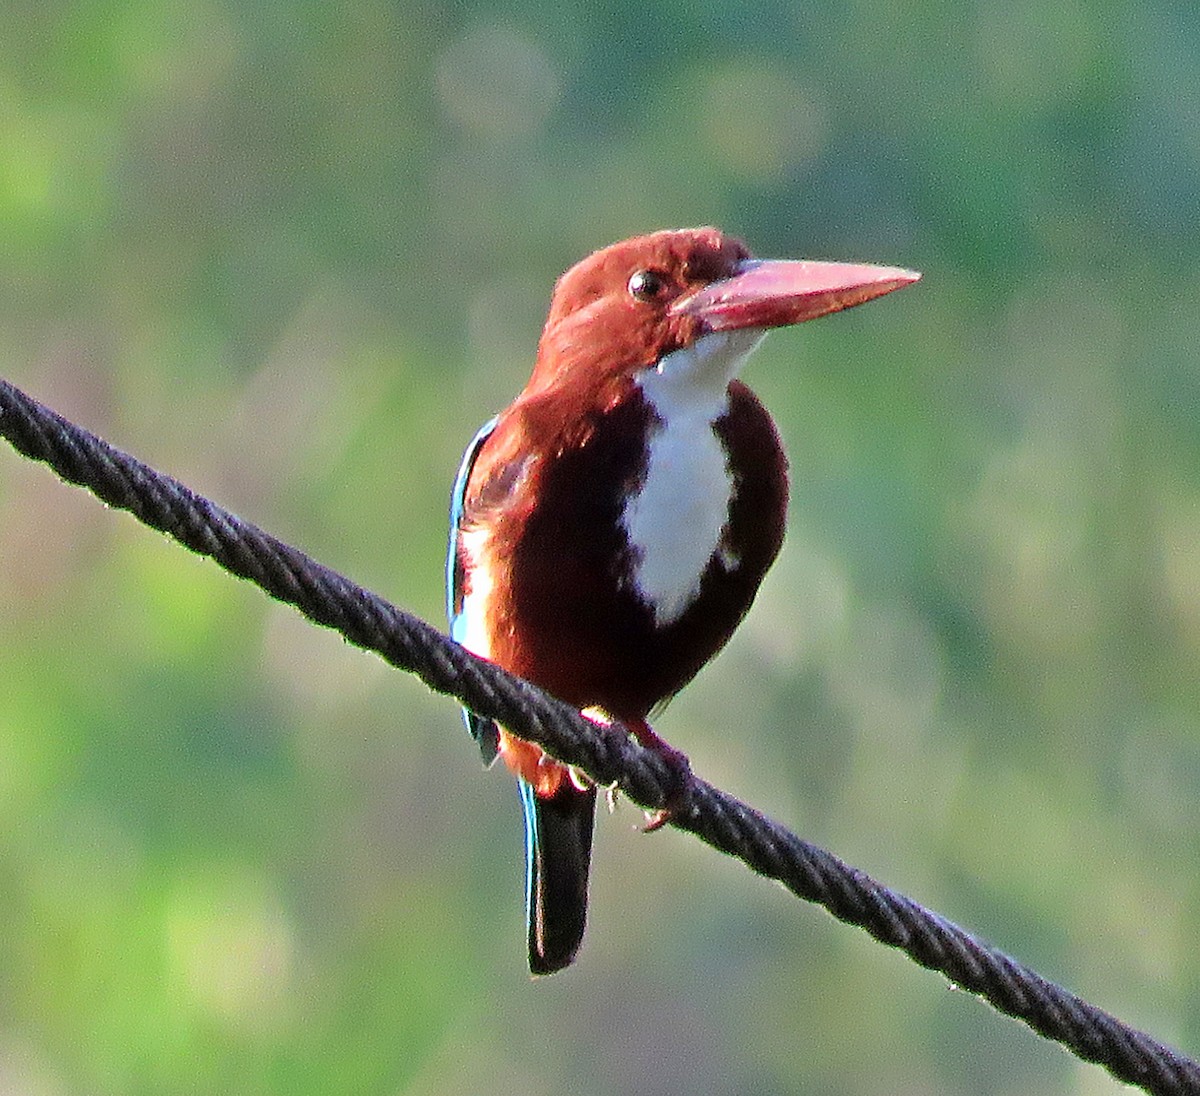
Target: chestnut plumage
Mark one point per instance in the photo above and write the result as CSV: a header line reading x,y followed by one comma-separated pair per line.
x,y
610,528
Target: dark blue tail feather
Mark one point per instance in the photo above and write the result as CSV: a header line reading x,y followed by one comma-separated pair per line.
x,y
558,846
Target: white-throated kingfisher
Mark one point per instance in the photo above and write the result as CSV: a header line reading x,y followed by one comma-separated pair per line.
x,y
609,529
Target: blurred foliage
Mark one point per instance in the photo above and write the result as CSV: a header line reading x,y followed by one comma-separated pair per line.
x,y
294,252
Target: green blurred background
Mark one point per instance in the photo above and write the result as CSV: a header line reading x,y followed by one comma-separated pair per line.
x,y
295,252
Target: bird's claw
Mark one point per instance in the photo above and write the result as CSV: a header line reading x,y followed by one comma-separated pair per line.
x,y
677,796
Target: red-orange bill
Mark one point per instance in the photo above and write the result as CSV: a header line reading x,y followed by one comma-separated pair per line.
x,y
775,292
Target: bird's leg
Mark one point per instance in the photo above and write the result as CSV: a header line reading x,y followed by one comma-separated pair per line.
x,y
677,762
681,769
581,780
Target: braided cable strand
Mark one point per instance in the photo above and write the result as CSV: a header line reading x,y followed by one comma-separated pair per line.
x,y
607,754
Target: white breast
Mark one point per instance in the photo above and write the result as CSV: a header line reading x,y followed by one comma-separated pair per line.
x,y
675,522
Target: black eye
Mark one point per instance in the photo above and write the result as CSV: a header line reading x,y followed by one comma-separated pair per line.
x,y
647,285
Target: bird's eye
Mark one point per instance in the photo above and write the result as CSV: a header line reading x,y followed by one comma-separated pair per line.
x,y
647,285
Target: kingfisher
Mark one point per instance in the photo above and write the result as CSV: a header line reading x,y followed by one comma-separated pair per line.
x,y
609,529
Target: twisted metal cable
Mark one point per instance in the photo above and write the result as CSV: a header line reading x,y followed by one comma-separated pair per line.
x,y
607,754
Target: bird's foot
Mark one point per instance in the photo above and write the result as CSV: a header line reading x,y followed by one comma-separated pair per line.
x,y
580,780
681,772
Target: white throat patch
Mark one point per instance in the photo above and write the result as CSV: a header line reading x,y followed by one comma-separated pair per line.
x,y
674,523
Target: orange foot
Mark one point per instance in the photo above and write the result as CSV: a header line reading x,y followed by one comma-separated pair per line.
x,y
680,767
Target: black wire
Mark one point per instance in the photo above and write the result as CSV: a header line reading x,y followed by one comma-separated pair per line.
x,y
607,754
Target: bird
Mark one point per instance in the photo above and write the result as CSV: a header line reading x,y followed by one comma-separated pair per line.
x,y
610,528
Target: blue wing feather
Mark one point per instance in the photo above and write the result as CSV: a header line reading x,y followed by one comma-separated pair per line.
x,y
558,829
484,731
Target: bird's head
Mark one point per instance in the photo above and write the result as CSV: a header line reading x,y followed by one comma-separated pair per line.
x,y
631,307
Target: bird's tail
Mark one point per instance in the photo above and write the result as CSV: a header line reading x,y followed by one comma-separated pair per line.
x,y
558,846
